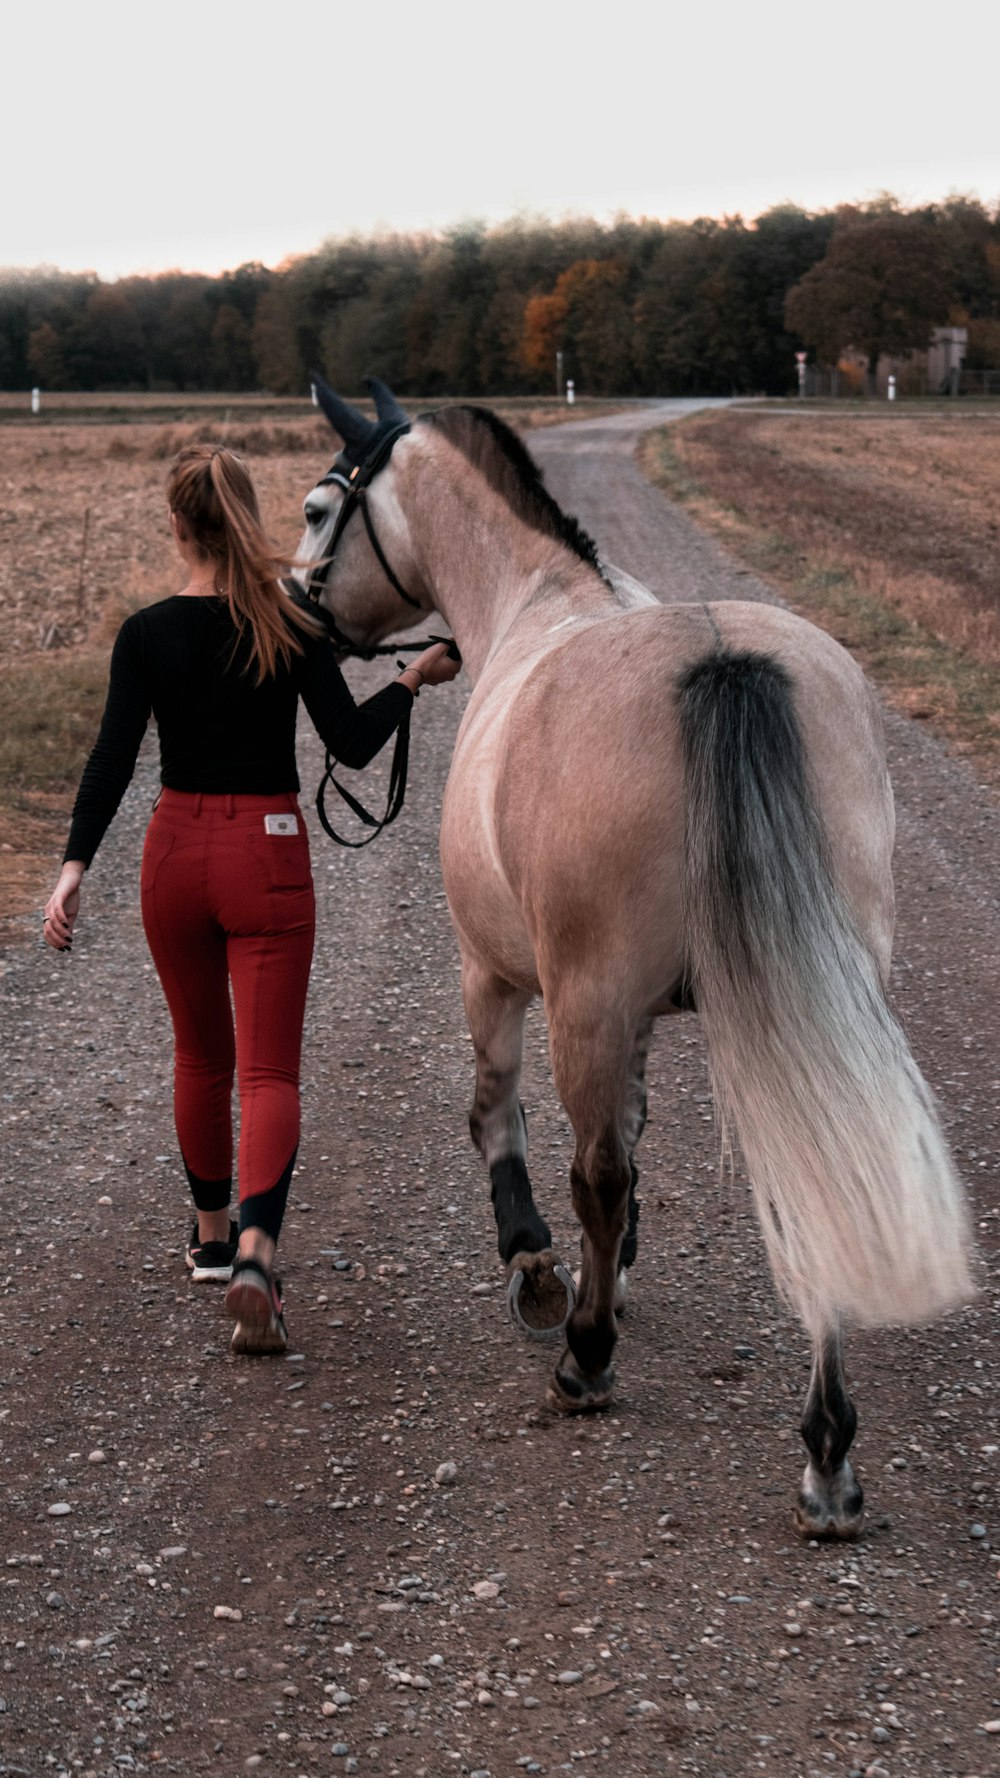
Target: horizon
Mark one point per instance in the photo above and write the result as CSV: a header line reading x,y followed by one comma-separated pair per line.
x,y
203,143
492,226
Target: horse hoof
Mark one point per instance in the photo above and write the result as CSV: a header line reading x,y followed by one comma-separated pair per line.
x,y
540,1295
830,1508
570,1392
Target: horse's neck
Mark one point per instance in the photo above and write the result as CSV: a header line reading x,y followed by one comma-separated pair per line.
x,y
490,575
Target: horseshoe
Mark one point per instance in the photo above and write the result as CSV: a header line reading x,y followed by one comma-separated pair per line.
x,y
514,1307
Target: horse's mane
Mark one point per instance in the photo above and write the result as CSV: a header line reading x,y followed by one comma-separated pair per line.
x,y
495,449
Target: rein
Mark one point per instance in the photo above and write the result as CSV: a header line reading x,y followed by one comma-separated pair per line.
x,y
355,479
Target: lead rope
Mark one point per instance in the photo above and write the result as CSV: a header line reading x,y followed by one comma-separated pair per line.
x,y
394,800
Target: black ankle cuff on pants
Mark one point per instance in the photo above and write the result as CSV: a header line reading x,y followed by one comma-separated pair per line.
x,y
209,1194
266,1210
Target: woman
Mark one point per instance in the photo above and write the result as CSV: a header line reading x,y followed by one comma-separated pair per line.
x,y
227,896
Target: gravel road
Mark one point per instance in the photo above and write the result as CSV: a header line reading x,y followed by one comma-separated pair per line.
x,y
380,1555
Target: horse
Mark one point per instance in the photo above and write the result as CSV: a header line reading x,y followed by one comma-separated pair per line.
x,y
655,809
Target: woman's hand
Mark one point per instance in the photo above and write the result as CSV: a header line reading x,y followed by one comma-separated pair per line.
x,y
436,666
63,906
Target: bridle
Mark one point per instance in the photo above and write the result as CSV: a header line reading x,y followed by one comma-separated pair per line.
x,y
355,479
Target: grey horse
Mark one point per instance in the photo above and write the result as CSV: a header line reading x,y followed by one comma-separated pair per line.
x,y
652,809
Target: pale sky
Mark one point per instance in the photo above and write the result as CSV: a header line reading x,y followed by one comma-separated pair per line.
x,y
202,133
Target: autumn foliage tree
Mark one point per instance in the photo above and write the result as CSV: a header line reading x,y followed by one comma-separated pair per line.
x,y
587,317
882,287
711,307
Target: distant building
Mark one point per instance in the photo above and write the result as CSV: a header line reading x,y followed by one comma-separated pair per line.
x,y
937,371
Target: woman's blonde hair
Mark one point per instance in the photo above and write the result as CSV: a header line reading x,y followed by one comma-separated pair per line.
x,y
211,490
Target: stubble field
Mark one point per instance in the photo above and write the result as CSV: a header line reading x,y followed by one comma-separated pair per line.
x,y
882,525
84,541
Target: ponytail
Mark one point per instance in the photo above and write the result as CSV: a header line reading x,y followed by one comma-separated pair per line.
x,y
212,491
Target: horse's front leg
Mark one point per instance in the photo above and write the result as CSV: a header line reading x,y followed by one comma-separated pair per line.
x,y
540,1290
831,1502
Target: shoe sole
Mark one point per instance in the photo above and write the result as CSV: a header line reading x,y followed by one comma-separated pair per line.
x,y
257,1328
210,1274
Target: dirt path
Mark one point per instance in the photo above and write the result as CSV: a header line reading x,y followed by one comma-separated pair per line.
x,y
622,1595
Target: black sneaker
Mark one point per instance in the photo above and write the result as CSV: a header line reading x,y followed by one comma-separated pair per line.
x,y
211,1261
255,1303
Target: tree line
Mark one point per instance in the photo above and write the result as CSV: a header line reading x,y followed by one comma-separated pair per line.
x,y
634,308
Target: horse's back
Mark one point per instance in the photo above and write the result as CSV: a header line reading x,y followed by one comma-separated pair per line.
x,y
571,810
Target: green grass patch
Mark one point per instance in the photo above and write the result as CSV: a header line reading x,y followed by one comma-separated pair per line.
x,y
50,711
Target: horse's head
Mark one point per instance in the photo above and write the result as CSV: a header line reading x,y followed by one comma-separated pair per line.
x,y
356,533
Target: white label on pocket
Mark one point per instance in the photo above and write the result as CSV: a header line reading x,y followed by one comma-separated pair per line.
x,y
281,824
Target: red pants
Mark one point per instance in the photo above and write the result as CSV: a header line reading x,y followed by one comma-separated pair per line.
x,y
228,900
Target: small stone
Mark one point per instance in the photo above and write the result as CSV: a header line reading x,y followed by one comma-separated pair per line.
x,y
879,1733
484,1698
445,1474
340,1750
253,1761
569,1677
486,1589
97,1457
59,1509
55,1601
231,1612
793,1629
174,1549
977,1531
104,1200
992,1727
647,1707
145,1569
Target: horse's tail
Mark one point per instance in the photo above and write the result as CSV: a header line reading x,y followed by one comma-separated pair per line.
x,y
860,1206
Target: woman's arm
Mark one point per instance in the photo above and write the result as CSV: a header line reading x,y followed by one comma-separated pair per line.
x,y
105,779
354,733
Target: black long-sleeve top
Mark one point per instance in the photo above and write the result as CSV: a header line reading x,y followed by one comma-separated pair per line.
x,y
183,662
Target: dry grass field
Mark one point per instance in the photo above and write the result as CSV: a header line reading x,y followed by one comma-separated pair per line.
x,y
883,526
84,540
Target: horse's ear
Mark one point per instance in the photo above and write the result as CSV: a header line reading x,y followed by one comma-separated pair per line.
x,y
386,405
355,430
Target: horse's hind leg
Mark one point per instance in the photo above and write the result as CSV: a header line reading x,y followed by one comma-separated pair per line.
x,y
831,1503
591,1066
495,1011
635,1123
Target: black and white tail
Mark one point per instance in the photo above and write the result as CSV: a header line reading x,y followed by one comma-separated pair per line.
x,y
862,1212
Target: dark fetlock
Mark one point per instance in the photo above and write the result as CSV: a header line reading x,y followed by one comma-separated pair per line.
x,y
520,1227
831,1501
